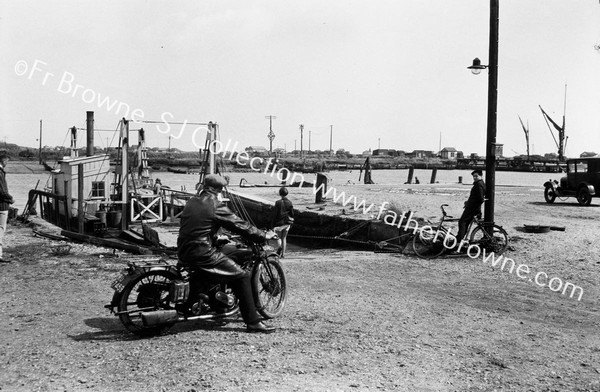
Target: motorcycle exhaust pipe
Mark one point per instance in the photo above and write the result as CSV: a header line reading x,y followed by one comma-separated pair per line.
x,y
159,317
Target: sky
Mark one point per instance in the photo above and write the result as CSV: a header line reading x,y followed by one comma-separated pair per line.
x,y
370,74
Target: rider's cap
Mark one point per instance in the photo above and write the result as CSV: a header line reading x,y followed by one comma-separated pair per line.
x,y
215,181
477,171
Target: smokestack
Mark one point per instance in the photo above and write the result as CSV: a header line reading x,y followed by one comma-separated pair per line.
x,y
90,134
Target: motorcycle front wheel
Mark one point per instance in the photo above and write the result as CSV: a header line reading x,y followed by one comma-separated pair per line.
x,y
147,293
268,287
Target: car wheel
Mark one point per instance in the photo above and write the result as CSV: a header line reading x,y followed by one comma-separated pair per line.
x,y
549,195
583,196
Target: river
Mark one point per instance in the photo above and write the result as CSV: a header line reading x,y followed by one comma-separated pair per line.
x,y
20,184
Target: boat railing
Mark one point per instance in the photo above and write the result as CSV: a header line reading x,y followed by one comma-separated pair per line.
x,y
52,207
175,201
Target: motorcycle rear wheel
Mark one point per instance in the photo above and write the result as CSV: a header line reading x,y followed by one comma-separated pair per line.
x,y
148,292
269,287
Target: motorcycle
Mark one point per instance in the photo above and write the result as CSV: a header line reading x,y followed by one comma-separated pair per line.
x,y
151,297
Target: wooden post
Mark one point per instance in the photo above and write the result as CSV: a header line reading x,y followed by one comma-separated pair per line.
x,y
411,172
433,175
321,179
80,212
124,172
68,204
284,175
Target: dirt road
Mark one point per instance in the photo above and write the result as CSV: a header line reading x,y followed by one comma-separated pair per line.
x,y
354,321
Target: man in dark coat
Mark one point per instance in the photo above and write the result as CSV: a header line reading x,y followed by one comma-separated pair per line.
x,y
5,201
202,216
472,205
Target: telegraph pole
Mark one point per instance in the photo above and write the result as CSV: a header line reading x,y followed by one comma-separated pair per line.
x,y
330,139
271,135
309,133
301,136
40,151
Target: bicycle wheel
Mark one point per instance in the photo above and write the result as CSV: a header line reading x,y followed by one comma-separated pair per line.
x,y
497,242
149,292
429,245
268,287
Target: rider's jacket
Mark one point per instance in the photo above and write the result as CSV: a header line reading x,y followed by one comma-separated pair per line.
x,y
202,216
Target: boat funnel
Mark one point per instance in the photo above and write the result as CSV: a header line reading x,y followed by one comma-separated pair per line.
x,y
90,134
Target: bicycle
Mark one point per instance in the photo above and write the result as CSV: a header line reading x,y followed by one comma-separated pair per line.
x,y
429,244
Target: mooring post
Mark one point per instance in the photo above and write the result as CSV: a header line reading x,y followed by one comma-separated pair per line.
x,y
411,171
321,186
433,175
284,175
80,211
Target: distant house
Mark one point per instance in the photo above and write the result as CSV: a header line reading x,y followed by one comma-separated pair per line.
x,y
384,152
499,150
367,153
449,153
421,154
279,151
256,150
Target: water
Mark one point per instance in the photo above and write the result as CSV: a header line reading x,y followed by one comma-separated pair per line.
x,y
20,184
380,177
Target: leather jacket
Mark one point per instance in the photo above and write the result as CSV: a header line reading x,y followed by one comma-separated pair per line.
x,y
202,216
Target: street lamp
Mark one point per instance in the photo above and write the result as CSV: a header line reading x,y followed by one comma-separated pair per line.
x,y
490,156
477,66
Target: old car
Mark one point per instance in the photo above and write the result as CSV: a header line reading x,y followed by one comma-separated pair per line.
x,y
582,180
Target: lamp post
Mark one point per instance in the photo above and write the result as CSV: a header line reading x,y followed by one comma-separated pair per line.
x,y
490,156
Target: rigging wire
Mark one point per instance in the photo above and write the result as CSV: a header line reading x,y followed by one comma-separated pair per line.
x,y
170,122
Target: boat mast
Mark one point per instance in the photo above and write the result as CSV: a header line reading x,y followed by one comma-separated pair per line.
x,y
526,130
124,171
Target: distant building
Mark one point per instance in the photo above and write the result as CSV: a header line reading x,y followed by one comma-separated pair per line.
x,y
499,150
256,150
367,153
449,153
421,154
585,154
384,152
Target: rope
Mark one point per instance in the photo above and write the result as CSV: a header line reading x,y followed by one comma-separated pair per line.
x,y
238,207
169,122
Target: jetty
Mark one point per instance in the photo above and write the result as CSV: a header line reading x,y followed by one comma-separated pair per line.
x,y
95,200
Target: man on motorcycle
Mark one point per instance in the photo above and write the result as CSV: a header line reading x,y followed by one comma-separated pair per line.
x,y
202,216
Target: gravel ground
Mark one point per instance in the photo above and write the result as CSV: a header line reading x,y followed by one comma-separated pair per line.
x,y
354,321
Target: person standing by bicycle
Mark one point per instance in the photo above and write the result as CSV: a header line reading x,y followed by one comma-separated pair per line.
x,y
202,216
472,206
5,201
